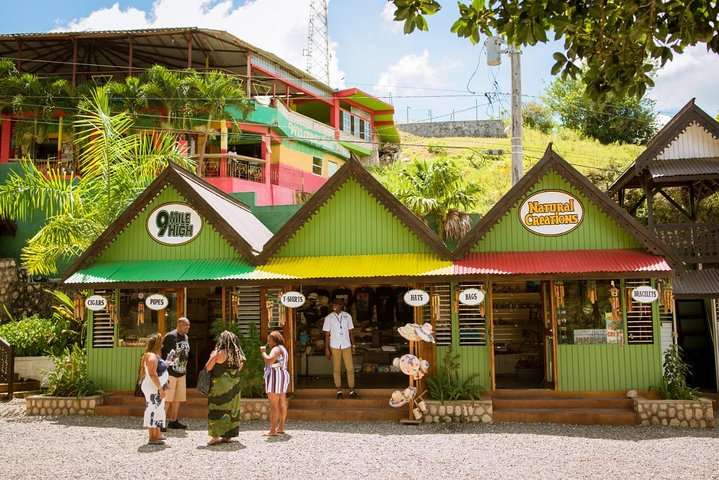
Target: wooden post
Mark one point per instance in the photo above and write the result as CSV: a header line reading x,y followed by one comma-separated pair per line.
x,y
223,148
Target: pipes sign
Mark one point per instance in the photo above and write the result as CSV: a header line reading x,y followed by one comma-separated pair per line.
x,y
645,294
416,298
174,224
551,213
157,302
471,296
292,299
96,303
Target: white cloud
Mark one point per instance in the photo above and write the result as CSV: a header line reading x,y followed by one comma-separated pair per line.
x,y
690,75
278,26
388,22
409,76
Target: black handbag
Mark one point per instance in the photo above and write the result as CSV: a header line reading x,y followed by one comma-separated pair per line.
x,y
140,377
138,390
204,382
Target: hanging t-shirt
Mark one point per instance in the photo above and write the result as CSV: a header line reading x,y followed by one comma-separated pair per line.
x,y
364,301
404,312
384,299
344,294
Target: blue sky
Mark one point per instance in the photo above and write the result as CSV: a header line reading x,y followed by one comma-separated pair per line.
x,y
426,74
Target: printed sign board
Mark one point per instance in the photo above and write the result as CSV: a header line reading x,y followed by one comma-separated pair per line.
x,y
645,294
292,299
416,298
157,302
96,303
471,296
174,224
551,212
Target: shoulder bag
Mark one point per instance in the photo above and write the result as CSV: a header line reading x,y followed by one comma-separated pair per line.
x,y
204,382
140,377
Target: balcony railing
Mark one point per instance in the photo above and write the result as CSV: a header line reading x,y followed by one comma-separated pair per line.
x,y
238,166
692,242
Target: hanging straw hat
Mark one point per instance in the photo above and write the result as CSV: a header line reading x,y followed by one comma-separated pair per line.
x,y
409,393
423,366
408,332
425,332
398,399
409,364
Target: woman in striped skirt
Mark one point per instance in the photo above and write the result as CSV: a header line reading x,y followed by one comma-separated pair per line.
x,y
277,379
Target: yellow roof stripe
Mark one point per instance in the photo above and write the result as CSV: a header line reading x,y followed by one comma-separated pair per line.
x,y
353,266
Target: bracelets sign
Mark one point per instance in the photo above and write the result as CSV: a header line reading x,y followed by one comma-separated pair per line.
x,y
292,299
551,213
471,296
645,294
174,224
157,301
416,298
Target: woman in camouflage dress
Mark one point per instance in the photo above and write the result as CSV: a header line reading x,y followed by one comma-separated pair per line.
x,y
224,365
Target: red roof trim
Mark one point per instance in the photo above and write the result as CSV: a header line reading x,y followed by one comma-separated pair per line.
x,y
552,262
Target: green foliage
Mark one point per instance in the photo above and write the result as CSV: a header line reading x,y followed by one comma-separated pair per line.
x,y
538,116
252,375
436,148
70,377
447,386
674,384
623,120
620,43
31,336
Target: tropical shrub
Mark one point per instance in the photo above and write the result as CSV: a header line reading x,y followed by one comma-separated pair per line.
x,y
31,336
674,384
70,377
446,385
252,376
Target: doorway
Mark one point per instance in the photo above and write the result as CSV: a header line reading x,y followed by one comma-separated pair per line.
x,y
695,339
518,335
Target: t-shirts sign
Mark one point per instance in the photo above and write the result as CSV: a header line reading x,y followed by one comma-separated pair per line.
x,y
174,224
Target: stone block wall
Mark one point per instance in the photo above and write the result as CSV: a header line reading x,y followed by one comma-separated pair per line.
x,y
42,405
479,128
697,413
254,409
465,411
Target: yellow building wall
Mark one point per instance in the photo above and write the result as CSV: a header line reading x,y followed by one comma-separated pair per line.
x,y
302,161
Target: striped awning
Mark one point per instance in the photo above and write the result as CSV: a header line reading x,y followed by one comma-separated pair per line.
x,y
162,271
566,262
354,266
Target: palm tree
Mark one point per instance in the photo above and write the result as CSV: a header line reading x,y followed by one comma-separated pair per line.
x,y
117,164
129,96
438,190
173,91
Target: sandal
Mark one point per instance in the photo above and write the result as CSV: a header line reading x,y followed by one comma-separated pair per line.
x,y
227,440
268,434
214,441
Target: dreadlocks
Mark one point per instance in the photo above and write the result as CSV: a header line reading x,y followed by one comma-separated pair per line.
x,y
228,342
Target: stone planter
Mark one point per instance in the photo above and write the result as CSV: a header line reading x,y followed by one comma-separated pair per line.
x,y
34,368
477,411
254,409
44,405
697,413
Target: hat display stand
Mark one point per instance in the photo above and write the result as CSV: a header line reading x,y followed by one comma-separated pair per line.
x,y
413,384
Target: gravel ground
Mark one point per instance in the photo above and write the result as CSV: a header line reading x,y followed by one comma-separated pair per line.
x,y
113,447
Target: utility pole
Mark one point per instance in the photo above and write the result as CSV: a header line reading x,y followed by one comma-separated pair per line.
x,y
494,51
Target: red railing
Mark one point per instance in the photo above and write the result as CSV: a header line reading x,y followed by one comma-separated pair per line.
x,y
287,177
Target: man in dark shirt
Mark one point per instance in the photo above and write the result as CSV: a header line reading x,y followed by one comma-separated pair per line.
x,y
178,341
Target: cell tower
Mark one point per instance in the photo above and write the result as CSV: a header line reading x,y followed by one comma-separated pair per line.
x,y
318,42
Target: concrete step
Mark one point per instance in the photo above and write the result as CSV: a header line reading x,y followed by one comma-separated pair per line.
x,y
577,416
332,393
499,404
362,402
347,414
544,393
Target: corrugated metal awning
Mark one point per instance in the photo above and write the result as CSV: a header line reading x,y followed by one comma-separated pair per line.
x,y
354,266
684,167
553,262
162,271
697,284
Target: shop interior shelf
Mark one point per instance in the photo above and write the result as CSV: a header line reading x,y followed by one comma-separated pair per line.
x,y
518,297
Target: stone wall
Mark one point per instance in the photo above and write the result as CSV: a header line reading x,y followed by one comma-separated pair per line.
x,y
479,411
479,128
8,278
254,409
697,413
42,405
21,296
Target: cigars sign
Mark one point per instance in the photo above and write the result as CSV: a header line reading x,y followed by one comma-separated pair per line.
x,y
174,224
551,212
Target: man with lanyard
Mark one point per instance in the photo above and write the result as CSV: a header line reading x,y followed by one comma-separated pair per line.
x,y
178,342
340,345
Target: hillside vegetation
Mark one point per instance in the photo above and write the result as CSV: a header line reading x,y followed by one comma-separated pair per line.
x,y
600,163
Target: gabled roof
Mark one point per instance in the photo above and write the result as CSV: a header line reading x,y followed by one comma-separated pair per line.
x,y
553,161
230,217
352,169
688,115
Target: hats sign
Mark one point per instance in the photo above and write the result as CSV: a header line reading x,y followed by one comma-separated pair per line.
x,y
416,298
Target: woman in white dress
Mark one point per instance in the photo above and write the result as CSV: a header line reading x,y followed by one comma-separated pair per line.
x,y
154,384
